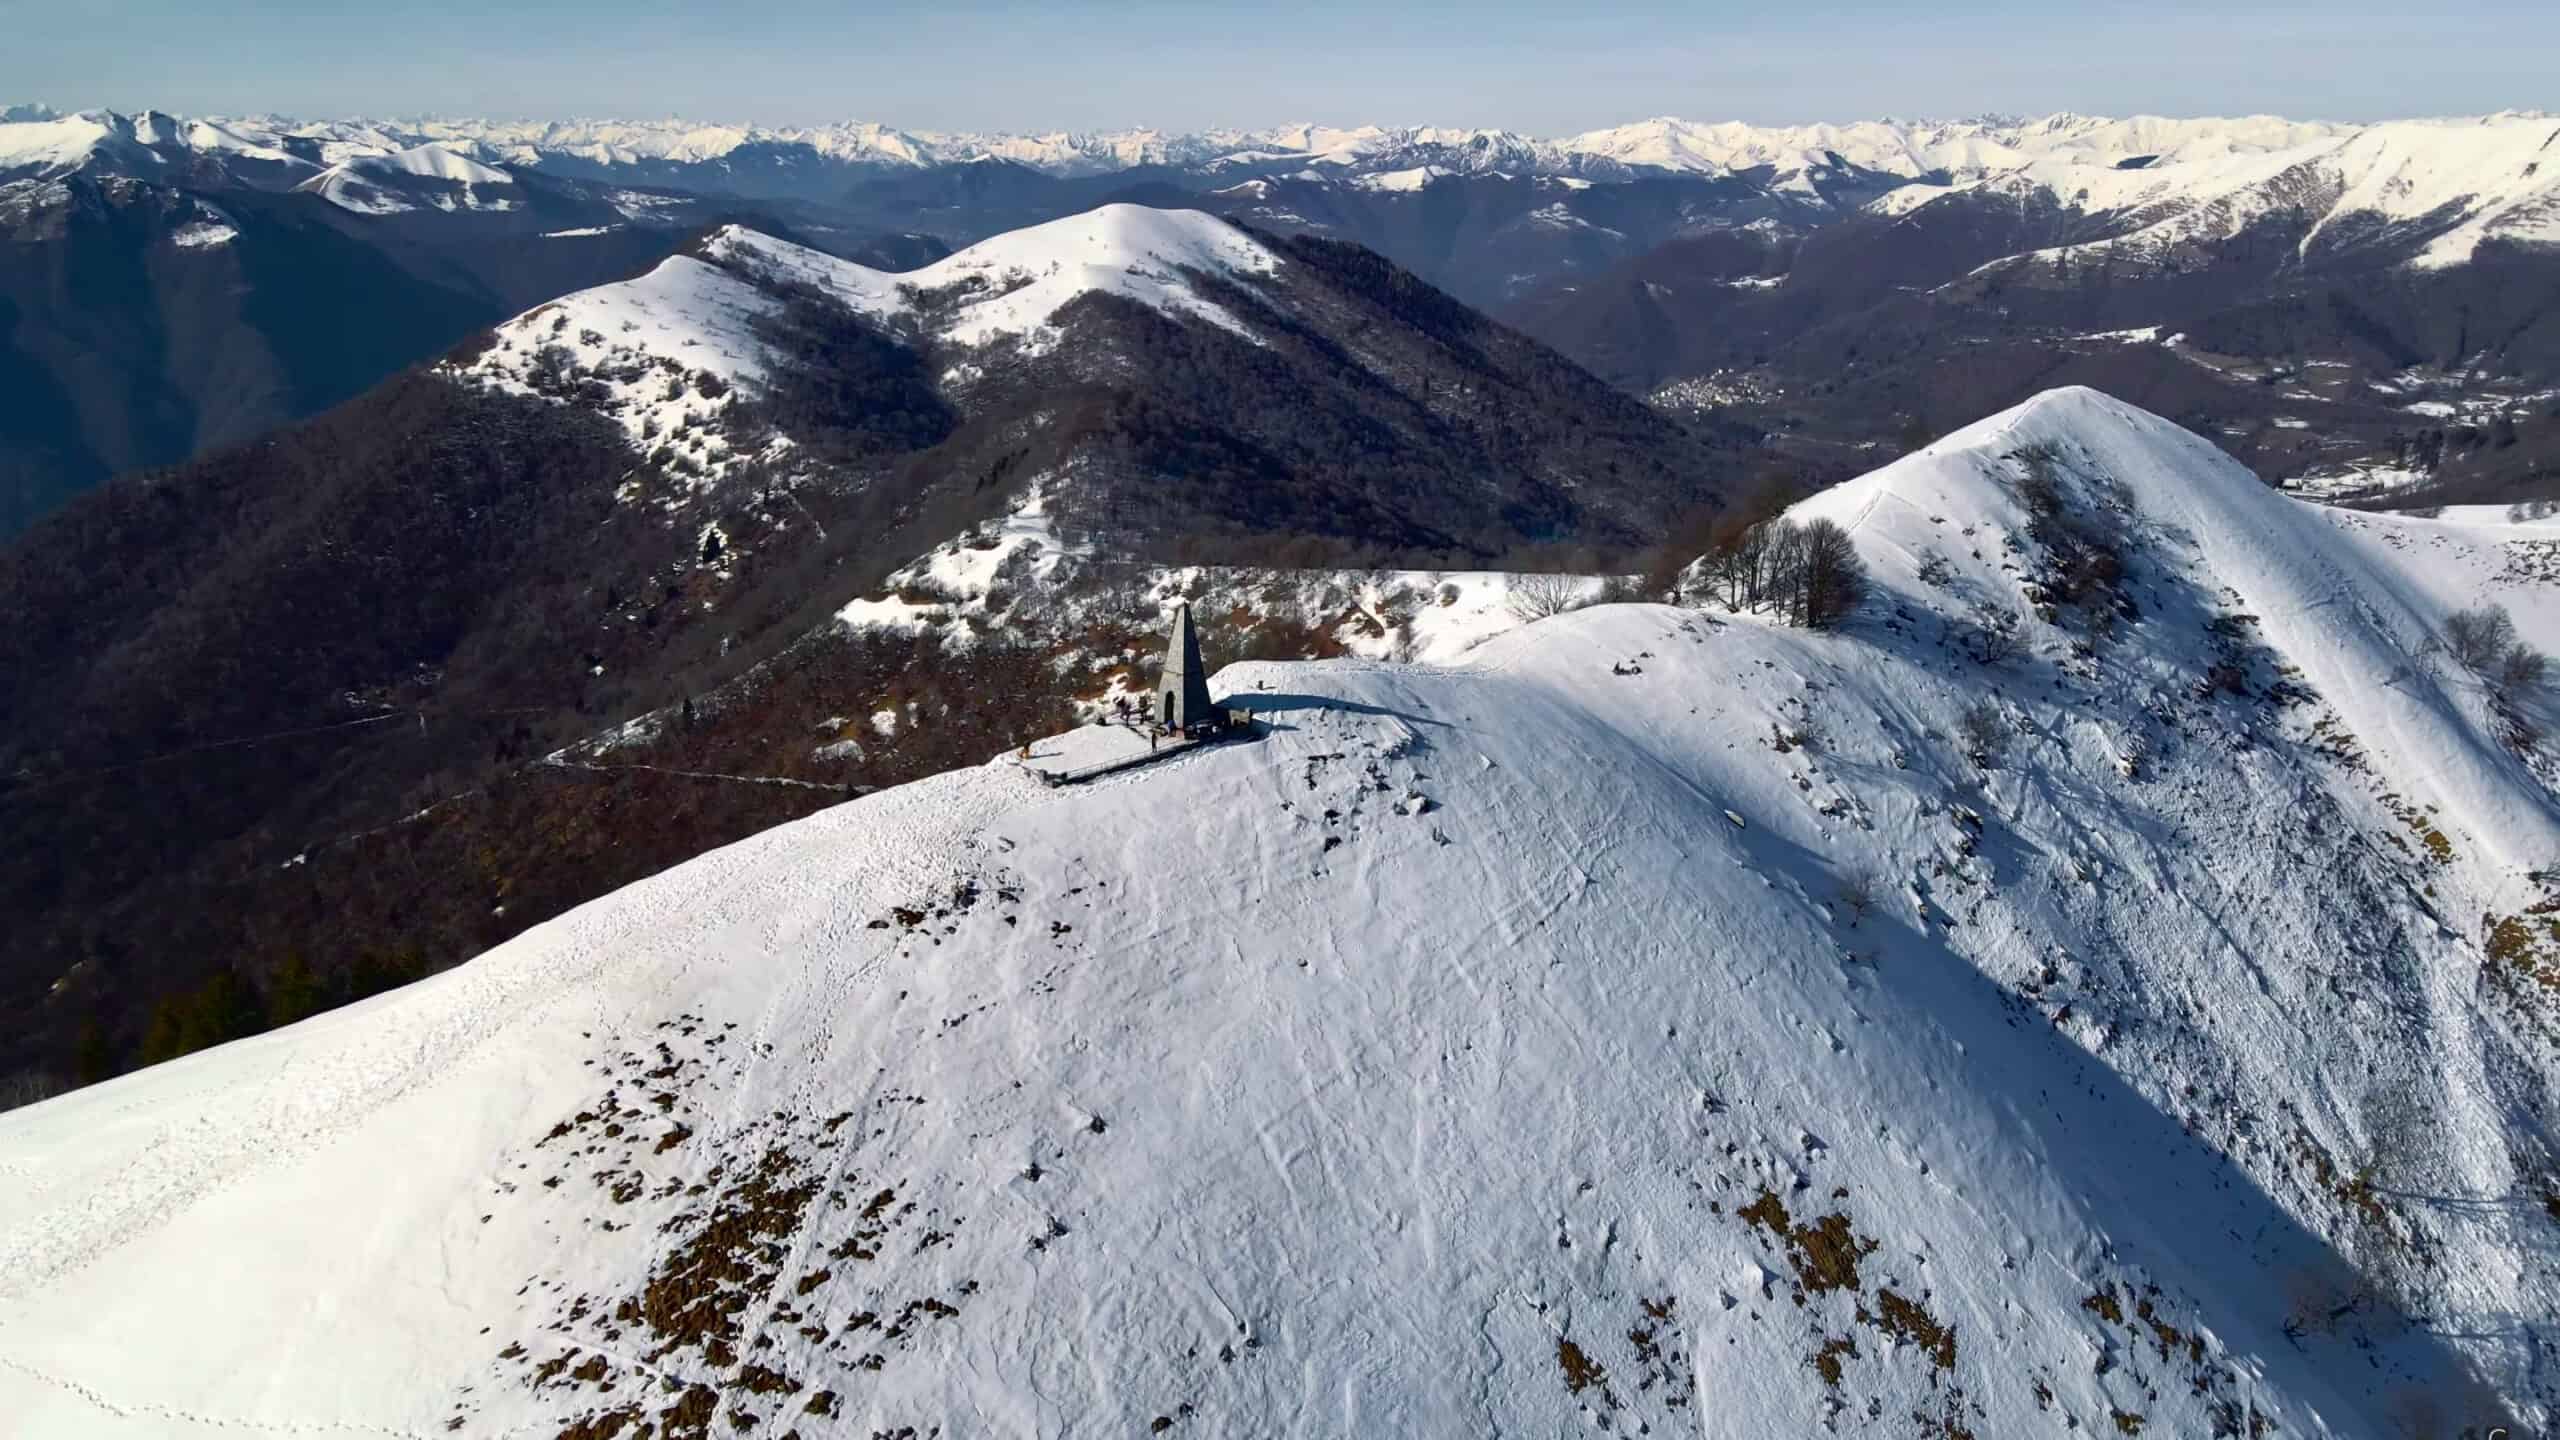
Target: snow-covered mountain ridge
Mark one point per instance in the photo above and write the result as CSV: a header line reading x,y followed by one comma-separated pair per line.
x,y
1962,150
1120,346
373,184
2444,187
2492,166
1658,1020
644,342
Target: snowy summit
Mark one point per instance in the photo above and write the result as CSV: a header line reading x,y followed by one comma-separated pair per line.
x,y
2037,1007
694,315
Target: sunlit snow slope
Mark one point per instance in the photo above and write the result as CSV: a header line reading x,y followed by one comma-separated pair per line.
x,y
427,175
1654,1024
648,341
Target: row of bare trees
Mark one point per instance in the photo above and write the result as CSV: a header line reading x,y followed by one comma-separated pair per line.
x,y
1750,556
1805,572
1747,557
2484,641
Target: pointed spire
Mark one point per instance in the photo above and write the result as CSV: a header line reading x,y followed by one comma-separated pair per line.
x,y
1182,691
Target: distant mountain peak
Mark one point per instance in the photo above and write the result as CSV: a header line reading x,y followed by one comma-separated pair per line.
x,y
422,176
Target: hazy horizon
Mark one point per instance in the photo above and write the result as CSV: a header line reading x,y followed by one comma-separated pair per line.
x,y
990,65
600,117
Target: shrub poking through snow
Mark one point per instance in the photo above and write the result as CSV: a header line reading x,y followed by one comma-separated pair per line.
x,y
1984,733
2039,488
2084,543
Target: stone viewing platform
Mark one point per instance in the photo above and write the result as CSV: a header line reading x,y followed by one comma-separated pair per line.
x,y
1179,716
1092,750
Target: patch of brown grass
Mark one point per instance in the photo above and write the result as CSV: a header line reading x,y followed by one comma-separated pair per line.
x,y
2528,944
690,1417
2170,1337
728,1263
2438,846
603,1425
1824,1254
1826,1361
1905,1320
761,1380
2357,1190
1581,1372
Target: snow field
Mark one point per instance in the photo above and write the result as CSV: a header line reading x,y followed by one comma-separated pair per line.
x,y
1716,1050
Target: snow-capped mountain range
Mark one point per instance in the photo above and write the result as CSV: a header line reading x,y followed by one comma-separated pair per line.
x,y
1963,150
2496,162
2454,184
1656,1020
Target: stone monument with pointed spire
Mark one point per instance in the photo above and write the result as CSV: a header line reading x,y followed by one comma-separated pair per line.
x,y
1182,691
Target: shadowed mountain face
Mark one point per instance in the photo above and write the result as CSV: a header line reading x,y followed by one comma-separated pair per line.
x,y
2333,342
1965,269
143,323
632,497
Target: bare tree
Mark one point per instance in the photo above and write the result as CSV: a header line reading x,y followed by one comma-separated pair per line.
x,y
1665,569
2520,672
1738,544
1723,571
1995,634
1806,573
2480,639
1535,597
2521,669
2484,642
1754,555
1858,893
1834,579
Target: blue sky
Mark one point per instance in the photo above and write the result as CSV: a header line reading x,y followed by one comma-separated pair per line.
x,y
1547,68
